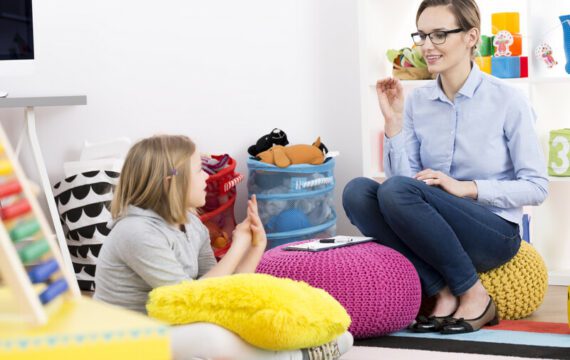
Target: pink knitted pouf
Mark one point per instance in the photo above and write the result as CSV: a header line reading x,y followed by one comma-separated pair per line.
x,y
378,286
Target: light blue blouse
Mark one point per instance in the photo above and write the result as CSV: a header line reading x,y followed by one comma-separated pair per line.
x,y
486,135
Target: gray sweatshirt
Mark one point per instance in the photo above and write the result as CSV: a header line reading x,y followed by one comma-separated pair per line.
x,y
143,252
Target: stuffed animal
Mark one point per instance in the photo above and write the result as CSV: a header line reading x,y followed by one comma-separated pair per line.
x,y
283,156
218,237
275,137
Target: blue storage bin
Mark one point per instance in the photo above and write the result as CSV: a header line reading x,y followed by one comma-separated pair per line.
x,y
296,202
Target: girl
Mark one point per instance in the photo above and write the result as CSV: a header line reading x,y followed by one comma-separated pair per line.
x,y
462,158
157,239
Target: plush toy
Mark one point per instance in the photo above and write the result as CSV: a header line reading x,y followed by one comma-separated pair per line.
x,y
218,238
283,156
275,137
270,208
288,220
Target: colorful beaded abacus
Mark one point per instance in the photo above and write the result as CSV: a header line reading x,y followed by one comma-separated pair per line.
x,y
30,261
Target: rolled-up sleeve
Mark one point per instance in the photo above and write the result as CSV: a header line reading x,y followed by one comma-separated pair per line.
x,y
401,152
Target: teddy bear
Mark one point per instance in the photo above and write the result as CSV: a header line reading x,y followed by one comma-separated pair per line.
x,y
275,137
283,156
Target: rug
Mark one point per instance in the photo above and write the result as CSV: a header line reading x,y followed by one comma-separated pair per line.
x,y
530,339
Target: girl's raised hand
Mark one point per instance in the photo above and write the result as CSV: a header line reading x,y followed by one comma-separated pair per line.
x,y
242,236
259,238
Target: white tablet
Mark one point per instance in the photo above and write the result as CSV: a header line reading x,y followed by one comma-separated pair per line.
x,y
329,243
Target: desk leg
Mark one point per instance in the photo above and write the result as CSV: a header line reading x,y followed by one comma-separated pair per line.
x,y
40,165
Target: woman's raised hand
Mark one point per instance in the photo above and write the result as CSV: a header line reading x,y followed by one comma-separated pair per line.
x,y
391,99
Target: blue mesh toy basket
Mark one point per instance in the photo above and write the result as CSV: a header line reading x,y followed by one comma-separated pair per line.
x,y
296,202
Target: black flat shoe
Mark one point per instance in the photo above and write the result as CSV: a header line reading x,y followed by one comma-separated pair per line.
x,y
425,324
460,326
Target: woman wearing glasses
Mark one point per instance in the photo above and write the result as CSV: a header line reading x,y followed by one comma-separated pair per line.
x,y
462,158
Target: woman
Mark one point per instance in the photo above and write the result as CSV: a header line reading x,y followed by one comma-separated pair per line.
x,y
462,158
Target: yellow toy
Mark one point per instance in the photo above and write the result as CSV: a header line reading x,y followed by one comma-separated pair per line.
x,y
283,156
268,312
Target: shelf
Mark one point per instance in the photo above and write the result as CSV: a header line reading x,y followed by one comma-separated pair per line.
x,y
559,179
378,175
22,102
551,80
537,81
559,277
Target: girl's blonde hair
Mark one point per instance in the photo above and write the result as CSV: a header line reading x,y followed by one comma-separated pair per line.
x,y
465,11
156,176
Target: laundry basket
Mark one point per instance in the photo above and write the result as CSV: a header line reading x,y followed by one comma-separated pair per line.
x,y
218,212
296,202
82,202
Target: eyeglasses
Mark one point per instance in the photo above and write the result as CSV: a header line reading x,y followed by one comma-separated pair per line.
x,y
436,37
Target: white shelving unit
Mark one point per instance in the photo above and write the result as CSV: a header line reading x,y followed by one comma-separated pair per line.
x,y
380,29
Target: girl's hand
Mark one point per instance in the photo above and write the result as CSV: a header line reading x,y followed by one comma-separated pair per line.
x,y
257,230
241,236
391,99
447,183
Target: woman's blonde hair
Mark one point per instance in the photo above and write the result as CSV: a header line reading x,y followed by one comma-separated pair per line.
x,y
156,176
466,13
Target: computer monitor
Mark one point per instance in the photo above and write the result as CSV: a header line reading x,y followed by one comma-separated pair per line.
x,y
16,38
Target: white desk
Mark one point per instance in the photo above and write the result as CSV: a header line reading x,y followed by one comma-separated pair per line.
x,y
29,103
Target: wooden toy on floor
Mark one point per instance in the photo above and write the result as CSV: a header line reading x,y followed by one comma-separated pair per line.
x,y
28,252
42,313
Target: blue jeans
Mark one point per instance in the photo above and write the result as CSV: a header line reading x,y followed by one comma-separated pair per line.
x,y
447,238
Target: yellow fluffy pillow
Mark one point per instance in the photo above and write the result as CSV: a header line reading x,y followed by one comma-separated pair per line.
x,y
268,312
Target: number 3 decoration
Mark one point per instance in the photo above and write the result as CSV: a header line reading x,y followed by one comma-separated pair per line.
x,y
559,157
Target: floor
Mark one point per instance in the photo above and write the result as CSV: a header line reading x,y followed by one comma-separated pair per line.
x,y
553,309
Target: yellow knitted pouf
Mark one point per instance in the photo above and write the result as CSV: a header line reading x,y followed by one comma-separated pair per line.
x,y
518,287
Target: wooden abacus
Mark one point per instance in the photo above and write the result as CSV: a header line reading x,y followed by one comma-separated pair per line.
x,y
30,259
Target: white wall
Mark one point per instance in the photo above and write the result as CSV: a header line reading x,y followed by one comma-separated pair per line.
x,y
223,72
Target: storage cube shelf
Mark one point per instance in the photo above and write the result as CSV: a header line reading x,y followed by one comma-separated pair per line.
x,y
380,30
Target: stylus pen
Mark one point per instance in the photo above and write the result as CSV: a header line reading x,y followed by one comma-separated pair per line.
x,y
331,241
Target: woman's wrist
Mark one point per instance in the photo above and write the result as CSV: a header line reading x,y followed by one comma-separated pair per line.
x,y
392,130
471,189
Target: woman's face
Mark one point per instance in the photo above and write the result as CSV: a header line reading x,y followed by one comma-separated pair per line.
x,y
198,177
457,46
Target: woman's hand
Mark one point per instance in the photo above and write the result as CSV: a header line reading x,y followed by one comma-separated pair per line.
x,y
391,99
447,183
256,227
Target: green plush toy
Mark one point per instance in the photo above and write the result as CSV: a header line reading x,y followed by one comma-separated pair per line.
x,y
407,57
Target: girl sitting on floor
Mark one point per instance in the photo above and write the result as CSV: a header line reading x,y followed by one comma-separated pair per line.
x,y
158,240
